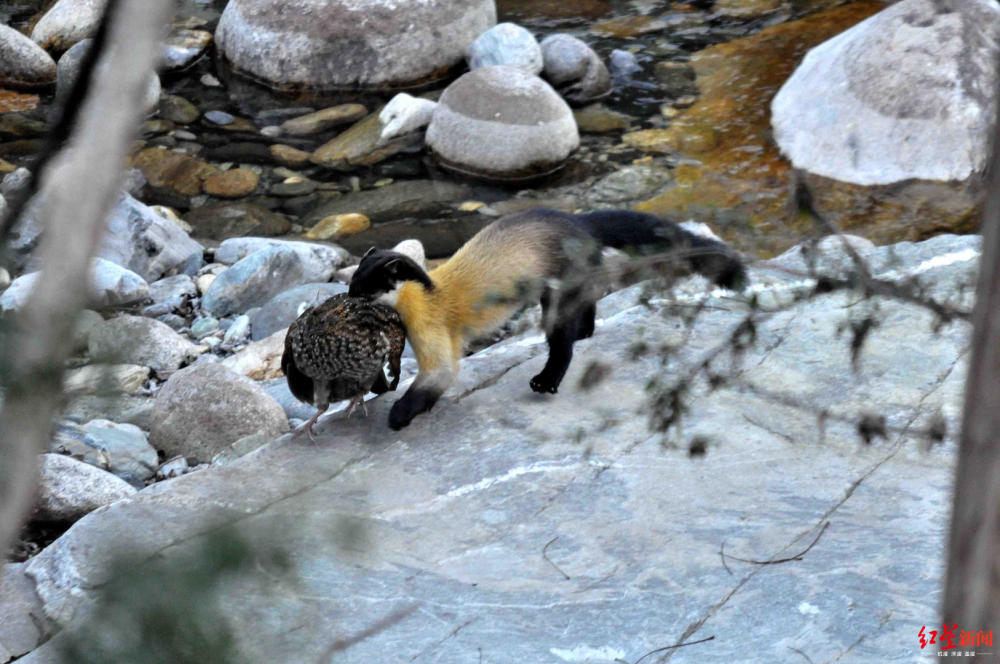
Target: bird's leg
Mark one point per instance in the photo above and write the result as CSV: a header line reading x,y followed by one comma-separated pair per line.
x,y
358,400
308,426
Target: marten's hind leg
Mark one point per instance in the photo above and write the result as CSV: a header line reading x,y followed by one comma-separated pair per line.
x,y
573,320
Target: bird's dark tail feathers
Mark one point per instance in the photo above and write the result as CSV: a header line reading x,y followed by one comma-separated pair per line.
x,y
640,232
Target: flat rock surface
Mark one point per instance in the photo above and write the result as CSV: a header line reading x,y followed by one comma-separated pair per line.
x,y
530,528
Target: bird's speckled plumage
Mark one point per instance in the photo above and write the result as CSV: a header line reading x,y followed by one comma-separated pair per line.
x,y
337,350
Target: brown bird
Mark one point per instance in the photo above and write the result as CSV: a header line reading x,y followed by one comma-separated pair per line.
x,y
337,350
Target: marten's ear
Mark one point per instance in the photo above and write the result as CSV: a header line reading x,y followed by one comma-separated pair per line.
x,y
392,267
368,253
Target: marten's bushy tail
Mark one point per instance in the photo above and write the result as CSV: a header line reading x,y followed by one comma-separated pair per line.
x,y
645,233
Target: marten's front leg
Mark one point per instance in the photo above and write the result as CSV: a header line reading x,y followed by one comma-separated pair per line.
x,y
438,368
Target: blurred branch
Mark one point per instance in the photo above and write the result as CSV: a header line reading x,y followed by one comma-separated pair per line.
x,y
972,585
78,189
67,116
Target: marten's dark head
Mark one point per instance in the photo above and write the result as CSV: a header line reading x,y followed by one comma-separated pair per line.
x,y
382,272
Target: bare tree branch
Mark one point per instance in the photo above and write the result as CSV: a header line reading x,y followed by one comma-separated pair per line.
x,y
972,586
78,189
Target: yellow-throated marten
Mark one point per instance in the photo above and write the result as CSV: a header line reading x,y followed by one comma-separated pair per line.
x,y
535,252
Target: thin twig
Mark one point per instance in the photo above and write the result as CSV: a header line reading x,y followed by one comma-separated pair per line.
x,y
722,555
776,561
549,560
343,644
808,659
676,645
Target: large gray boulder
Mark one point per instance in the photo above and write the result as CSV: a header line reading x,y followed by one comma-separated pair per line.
x,y
147,243
322,259
281,310
329,44
560,528
67,22
143,341
69,489
204,408
502,123
71,63
23,63
253,280
111,286
906,94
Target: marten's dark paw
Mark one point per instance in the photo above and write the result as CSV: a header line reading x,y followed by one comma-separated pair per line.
x,y
400,416
542,383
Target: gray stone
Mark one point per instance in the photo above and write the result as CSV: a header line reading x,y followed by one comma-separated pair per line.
x,y
121,449
629,184
294,409
143,341
238,331
220,221
319,121
203,409
281,310
404,114
183,47
68,22
560,528
506,44
129,454
22,620
69,489
321,259
171,289
204,326
23,63
178,109
574,68
411,198
349,43
123,408
147,243
257,278
72,60
502,123
111,286
85,324
105,379
4,274
220,118
623,64
915,86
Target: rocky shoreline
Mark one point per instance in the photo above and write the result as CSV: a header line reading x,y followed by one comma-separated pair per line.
x,y
243,205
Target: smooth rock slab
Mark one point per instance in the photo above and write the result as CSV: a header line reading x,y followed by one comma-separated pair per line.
x,y
204,408
143,341
502,123
21,615
23,63
327,44
907,93
69,489
561,529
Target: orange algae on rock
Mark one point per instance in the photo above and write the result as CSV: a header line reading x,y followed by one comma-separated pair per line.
x,y
740,178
